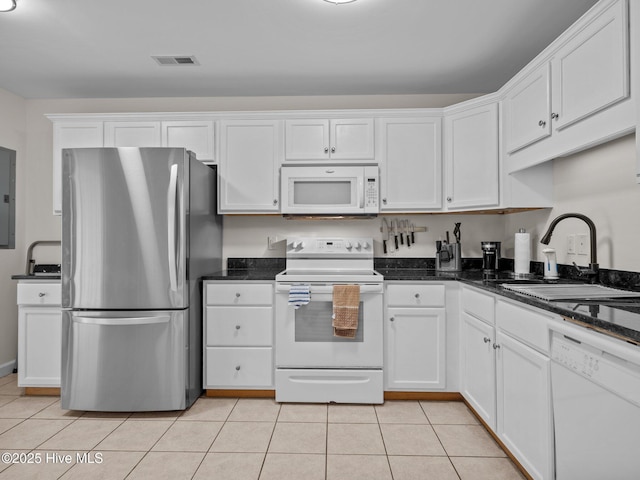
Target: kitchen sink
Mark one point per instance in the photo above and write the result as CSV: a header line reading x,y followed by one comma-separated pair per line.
x,y
560,292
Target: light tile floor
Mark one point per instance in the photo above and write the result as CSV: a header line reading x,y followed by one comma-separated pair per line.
x,y
247,439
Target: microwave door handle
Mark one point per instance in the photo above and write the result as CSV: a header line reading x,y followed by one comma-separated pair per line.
x,y
361,191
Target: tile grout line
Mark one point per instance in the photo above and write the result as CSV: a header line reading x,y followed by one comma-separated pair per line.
x,y
440,441
214,438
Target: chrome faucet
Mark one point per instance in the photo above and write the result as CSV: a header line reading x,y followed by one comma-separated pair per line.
x,y
592,271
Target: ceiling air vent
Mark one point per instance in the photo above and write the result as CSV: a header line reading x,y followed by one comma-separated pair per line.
x,y
166,60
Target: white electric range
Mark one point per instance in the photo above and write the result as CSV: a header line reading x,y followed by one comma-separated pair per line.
x,y
313,365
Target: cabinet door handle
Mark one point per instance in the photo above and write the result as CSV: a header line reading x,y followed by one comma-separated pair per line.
x,y
326,149
333,149
542,123
555,116
449,199
417,295
41,294
384,200
237,327
392,319
496,346
486,339
237,295
275,201
238,368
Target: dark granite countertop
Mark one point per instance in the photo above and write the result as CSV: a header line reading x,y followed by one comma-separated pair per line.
x,y
619,318
263,274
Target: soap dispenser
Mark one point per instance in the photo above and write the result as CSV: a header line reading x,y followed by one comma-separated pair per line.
x,y
550,264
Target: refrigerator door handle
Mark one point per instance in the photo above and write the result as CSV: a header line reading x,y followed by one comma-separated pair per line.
x,y
172,247
121,321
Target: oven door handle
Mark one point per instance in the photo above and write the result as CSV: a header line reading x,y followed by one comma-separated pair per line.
x,y
319,289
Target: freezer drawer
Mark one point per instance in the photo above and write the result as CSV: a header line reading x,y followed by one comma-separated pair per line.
x,y
124,361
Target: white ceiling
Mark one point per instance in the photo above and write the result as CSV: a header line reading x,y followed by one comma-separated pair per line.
x,y
103,48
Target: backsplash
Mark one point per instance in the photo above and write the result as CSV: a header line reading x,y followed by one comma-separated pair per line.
x,y
612,278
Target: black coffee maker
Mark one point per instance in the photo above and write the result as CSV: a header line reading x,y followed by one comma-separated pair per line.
x,y
490,256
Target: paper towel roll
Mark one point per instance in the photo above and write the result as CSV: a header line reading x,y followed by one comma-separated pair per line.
x,y
522,253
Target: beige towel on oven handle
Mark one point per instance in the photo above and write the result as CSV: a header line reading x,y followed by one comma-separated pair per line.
x,y
346,306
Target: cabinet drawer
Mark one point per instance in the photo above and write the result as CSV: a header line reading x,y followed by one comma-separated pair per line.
x,y
239,326
523,323
239,294
415,295
39,294
239,367
480,305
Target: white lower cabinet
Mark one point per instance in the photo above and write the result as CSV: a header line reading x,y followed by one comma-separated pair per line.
x,y
479,367
524,405
506,376
39,334
238,335
415,338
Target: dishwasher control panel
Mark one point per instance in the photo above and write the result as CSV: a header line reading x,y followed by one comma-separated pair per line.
x,y
601,367
570,354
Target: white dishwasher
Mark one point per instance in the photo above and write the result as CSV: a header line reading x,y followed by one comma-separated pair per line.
x,y
595,383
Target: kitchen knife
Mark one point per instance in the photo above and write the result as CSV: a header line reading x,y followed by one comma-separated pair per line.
x,y
385,229
406,231
401,227
395,232
456,232
413,234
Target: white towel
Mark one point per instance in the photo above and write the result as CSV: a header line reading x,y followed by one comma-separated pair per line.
x,y
299,295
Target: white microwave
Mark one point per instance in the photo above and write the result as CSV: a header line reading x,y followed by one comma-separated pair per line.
x,y
329,190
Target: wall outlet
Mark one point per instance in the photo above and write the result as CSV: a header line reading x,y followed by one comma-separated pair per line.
x,y
271,242
571,244
581,244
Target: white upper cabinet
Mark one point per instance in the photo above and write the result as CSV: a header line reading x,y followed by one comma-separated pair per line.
x,y
527,109
250,154
71,135
410,155
335,139
580,75
132,134
472,160
197,136
591,71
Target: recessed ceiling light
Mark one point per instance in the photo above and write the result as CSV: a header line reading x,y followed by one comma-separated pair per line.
x,y
338,2
7,5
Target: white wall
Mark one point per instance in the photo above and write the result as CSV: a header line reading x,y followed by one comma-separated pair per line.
x,y
601,184
12,136
247,236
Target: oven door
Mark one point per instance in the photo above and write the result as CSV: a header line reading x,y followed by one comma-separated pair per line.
x,y
304,336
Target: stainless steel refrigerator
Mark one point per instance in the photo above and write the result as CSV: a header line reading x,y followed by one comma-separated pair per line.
x,y
139,228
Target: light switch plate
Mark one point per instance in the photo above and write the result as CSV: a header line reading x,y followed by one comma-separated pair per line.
x,y
581,243
571,244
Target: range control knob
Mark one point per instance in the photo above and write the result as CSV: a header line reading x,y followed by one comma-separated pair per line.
x,y
298,245
358,246
365,245
348,245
